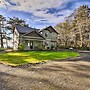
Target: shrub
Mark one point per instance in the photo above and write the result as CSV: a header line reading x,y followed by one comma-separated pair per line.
x,y
1,49
21,47
40,47
52,47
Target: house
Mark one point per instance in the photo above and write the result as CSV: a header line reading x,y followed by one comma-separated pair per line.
x,y
9,42
3,39
34,38
27,35
50,35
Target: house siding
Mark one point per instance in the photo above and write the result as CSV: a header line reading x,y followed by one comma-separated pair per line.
x,y
50,39
16,39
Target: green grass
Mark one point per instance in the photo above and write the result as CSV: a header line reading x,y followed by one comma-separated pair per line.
x,y
19,58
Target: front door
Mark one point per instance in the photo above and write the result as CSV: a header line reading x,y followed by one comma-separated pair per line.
x,y
31,44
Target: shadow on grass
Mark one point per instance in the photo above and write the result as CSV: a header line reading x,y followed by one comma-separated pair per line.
x,y
53,55
19,58
13,60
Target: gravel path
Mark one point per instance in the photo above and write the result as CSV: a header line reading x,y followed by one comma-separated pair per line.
x,y
54,75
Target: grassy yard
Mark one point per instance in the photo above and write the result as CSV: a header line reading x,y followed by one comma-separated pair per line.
x,y
18,58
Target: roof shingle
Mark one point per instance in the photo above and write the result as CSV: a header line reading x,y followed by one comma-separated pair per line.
x,y
23,29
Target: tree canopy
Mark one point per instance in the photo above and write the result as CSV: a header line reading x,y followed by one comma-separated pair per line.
x,y
76,28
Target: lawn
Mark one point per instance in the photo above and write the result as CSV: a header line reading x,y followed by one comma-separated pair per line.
x,y
19,58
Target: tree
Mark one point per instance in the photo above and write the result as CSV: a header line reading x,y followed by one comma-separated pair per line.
x,y
15,21
82,17
2,32
76,28
65,31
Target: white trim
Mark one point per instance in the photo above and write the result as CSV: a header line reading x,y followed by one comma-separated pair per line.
x,y
34,39
30,37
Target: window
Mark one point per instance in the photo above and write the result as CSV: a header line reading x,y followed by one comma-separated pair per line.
x,y
28,44
46,43
31,43
46,34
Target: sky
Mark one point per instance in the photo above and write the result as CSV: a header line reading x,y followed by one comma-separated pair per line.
x,y
40,13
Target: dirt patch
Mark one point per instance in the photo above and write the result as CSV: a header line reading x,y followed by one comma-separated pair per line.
x,y
53,75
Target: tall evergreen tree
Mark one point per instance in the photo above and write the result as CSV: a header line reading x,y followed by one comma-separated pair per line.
x,y
15,21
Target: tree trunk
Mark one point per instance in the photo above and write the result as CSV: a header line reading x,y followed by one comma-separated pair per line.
x,y
81,39
1,41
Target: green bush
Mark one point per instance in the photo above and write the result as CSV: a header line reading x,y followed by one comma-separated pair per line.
x,y
64,47
1,49
40,47
52,47
21,47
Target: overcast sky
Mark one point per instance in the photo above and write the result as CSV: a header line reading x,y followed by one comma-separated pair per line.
x,y
40,13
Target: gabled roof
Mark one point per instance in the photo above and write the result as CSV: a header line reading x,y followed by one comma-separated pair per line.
x,y
23,29
33,34
50,28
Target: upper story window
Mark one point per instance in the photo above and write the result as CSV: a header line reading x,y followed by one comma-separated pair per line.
x,y
46,43
46,34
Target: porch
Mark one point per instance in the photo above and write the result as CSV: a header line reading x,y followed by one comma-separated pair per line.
x,y
34,45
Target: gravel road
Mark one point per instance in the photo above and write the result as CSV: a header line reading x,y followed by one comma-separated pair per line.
x,y
53,75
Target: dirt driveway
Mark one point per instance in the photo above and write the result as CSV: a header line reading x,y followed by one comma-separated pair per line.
x,y
54,75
